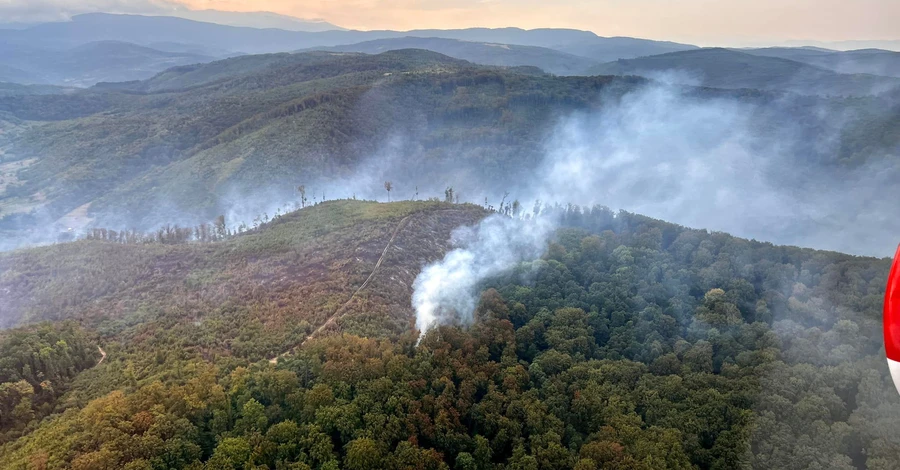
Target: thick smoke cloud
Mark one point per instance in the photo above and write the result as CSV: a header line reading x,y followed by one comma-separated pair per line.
x,y
701,163
445,291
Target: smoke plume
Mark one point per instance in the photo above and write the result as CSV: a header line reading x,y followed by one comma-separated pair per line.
x,y
704,163
445,292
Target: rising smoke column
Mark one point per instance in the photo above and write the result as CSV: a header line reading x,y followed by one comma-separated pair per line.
x,y
645,146
649,146
446,292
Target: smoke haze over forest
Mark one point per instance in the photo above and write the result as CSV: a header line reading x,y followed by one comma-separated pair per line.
x,y
714,162
234,240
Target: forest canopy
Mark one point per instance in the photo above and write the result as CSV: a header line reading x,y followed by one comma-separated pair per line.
x,y
631,344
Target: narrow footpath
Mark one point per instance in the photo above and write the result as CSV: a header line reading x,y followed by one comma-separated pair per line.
x,y
343,308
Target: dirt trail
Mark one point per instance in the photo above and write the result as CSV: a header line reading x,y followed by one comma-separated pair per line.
x,y
340,311
102,355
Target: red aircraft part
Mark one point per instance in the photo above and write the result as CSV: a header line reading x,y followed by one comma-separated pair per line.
x,y
892,320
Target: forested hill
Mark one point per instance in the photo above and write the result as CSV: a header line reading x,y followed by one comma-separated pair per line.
x,y
871,61
199,141
90,63
548,60
726,68
630,344
145,30
188,139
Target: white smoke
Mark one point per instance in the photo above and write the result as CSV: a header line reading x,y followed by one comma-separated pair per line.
x,y
700,162
446,292
660,153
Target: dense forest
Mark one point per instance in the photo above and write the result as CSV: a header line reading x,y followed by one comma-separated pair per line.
x,y
36,368
631,344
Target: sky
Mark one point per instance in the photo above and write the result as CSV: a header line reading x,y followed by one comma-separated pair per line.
x,y
704,22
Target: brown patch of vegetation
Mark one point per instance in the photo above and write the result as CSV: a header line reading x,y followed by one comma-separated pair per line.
x,y
289,277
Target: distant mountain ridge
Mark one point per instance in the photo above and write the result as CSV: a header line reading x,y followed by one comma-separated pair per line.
x,y
145,30
179,41
14,75
613,48
726,68
87,64
257,19
871,61
889,44
486,53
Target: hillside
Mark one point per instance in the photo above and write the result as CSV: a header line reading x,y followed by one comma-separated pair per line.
x,y
609,49
13,75
208,129
88,64
631,343
232,136
724,68
286,278
869,61
145,30
506,55
311,259
259,19
15,89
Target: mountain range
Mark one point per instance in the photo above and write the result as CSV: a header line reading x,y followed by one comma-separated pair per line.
x,y
508,55
175,129
88,64
870,61
187,40
725,68
196,141
144,30
257,19
103,47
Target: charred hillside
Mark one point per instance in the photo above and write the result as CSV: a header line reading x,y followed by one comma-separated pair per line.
x,y
287,277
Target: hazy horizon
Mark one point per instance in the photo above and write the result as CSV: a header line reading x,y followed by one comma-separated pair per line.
x,y
741,23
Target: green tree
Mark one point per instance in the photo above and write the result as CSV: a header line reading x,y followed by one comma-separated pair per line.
x,y
253,418
363,454
465,461
231,453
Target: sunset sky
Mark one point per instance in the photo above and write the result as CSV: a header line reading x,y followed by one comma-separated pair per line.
x,y
697,21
